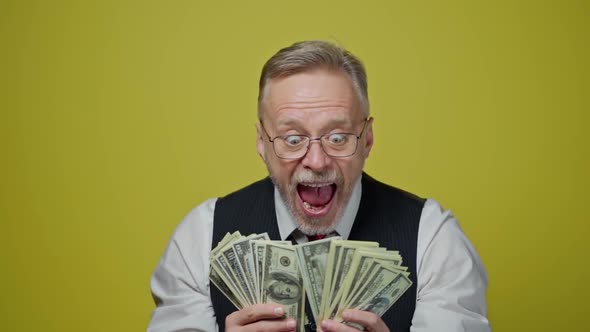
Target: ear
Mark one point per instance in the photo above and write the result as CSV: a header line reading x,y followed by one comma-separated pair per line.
x,y
260,138
368,142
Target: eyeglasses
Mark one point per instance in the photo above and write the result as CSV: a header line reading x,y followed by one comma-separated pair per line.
x,y
333,144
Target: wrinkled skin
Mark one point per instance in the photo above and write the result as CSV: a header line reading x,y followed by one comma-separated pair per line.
x,y
314,103
311,103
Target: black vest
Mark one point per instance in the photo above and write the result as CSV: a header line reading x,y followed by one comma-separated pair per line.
x,y
386,214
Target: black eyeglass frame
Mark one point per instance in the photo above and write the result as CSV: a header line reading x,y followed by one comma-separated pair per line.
x,y
358,137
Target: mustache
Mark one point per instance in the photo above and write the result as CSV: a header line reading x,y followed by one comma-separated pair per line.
x,y
309,176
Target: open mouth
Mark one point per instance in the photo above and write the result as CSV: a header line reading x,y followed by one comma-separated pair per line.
x,y
316,198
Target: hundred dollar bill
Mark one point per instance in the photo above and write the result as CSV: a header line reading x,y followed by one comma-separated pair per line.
x,y
221,272
238,273
330,265
258,252
258,262
222,286
245,258
359,265
282,282
227,261
377,281
334,274
342,259
380,302
363,265
312,262
220,244
227,239
343,265
360,289
385,298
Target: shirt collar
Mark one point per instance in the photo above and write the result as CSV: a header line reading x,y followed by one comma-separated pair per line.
x,y
287,223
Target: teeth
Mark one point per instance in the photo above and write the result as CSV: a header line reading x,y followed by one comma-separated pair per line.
x,y
315,185
309,207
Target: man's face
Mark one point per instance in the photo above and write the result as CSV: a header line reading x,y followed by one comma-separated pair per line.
x,y
317,187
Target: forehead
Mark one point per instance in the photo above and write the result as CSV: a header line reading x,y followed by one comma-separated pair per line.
x,y
304,95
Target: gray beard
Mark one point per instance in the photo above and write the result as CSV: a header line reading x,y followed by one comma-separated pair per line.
x,y
307,225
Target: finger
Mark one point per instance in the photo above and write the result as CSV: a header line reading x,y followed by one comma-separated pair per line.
x,y
329,325
254,313
281,325
369,320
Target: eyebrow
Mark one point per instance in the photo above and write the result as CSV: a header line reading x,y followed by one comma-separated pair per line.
x,y
297,123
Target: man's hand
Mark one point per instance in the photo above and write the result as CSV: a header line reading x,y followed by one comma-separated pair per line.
x,y
369,320
260,318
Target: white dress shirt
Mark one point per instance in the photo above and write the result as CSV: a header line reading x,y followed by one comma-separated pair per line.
x,y
451,278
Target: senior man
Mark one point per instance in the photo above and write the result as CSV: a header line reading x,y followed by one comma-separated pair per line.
x,y
314,135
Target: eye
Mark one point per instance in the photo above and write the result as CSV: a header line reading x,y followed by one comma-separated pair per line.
x,y
293,140
337,139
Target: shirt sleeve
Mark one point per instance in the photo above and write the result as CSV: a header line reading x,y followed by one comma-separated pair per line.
x,y
452,280
180,283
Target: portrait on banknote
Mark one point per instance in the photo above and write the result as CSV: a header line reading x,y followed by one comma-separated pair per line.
x,y
282,288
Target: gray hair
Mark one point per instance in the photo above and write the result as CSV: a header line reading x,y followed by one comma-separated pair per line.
x,y
308,55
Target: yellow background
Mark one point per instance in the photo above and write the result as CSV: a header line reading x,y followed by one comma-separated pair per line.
x,y
118,117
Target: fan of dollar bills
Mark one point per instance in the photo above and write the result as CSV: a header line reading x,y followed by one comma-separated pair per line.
x,y
335,274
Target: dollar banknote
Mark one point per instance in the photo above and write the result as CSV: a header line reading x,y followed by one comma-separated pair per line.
x,y
364,263
377,280
388,291
245,258
282,282
224,267
344,251
361,263
313,257
330,274
380,302
223,287
258,252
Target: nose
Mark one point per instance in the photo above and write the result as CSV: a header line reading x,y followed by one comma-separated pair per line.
x,y
316,159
